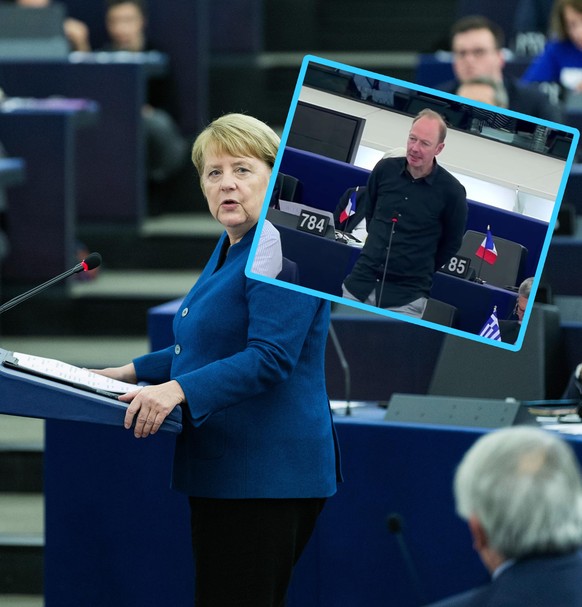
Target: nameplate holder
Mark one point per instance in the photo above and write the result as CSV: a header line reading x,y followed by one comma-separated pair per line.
x,y
313,223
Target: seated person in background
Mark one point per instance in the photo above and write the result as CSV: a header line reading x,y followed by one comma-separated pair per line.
x,y
167,150
561,60
477,46
519,489
350,214
485,90
510,328
76,31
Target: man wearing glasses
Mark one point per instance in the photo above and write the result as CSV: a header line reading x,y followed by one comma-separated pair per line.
x,y
477,47
510,328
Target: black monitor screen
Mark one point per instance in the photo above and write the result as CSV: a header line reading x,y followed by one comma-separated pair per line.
x,y
326,132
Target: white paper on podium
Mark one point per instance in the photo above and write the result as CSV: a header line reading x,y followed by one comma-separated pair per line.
x,y
61,371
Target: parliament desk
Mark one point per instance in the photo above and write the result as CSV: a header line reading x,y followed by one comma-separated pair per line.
x,y
42,212
110,160
324,263
117,535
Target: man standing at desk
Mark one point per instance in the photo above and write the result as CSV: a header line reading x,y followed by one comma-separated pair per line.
x,y
415,213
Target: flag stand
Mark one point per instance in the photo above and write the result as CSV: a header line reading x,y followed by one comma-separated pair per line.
x,y
478,278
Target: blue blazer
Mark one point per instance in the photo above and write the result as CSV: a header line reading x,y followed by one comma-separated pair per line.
x,y
250,359
544,581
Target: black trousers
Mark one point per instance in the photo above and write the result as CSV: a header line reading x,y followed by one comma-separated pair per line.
x,y
245,550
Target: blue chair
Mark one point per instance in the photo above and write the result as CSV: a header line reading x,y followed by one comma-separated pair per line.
x,y
440,312
289,272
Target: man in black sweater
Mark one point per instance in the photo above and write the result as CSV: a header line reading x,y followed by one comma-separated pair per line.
x,y
417,210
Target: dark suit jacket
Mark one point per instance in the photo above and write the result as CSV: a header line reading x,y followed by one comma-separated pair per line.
x,y
545,581
509,330
525,98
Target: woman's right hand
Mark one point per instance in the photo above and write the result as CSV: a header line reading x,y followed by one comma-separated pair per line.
x,y
125,373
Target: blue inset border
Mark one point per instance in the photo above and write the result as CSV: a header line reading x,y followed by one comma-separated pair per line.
x,y
309,60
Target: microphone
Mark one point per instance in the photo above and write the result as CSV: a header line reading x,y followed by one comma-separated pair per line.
x,y
344,364
395,217
395,523
90,262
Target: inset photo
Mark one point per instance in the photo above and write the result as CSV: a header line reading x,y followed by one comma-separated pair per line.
x,y
424,206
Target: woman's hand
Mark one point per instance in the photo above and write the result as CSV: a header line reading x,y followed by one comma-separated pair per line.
x,y
151,404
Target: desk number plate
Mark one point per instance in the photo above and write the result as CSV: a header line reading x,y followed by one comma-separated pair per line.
x,y
458,266
312,223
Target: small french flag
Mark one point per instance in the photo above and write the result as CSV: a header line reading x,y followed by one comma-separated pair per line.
x,y
350,207
487,250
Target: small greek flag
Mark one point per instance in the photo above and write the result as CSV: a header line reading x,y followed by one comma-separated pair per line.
x,y
491,327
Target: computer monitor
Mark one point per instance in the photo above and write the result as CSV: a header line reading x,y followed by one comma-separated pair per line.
x,y
32,33
326,132
453,114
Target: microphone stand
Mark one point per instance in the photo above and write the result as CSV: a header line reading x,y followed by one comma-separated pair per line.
x,y
345,367
92,262
395,216
394,523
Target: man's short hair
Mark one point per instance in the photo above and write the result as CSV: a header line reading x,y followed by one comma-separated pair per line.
x,y
141,5
523,485
428,113
525,287
500,95
478,22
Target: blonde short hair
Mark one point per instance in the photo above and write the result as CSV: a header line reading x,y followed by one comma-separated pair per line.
x,y
428,113
236,135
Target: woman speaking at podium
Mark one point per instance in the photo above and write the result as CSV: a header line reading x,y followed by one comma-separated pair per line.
x,y
258,454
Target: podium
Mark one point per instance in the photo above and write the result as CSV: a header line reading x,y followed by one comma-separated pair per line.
x,y
28,395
